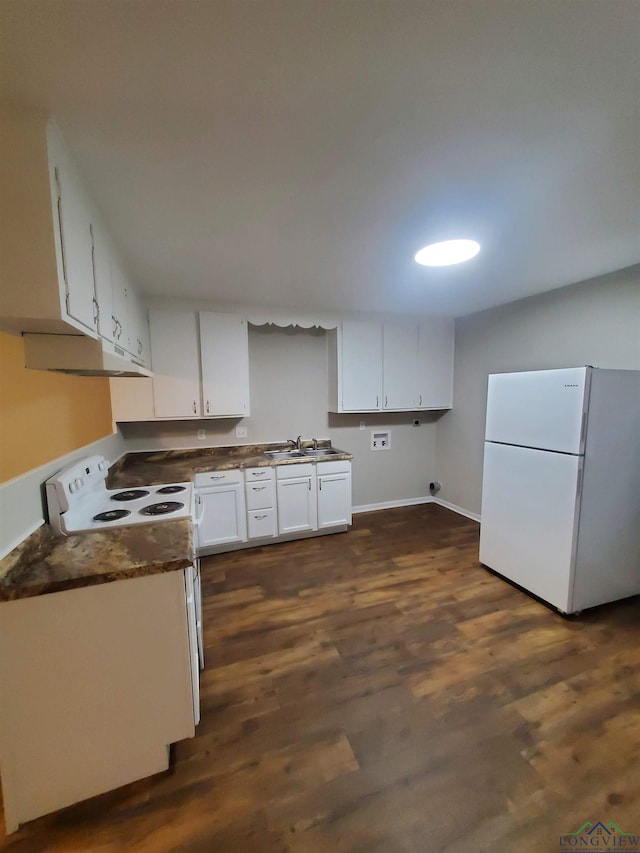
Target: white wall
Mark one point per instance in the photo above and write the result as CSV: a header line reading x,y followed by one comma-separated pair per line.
x,y
289,397
595,322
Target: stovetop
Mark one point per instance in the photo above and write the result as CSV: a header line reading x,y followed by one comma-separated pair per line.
x,y
78,500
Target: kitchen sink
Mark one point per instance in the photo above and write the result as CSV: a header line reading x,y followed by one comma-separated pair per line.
x,y
284,454
321,451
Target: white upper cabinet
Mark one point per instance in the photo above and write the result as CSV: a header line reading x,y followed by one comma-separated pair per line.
x,y
200,366
61,271
102,280
357,385
73,236
176,364
400,362
391,367
224,353
435,363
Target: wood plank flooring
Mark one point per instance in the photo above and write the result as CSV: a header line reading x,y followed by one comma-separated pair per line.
x,y
380,691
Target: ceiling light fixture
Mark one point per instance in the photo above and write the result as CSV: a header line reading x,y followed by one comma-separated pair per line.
x,y
447,253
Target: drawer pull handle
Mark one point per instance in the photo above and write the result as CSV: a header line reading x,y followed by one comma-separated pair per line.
x,y
258,473
217,477
259,488
309,483
260,517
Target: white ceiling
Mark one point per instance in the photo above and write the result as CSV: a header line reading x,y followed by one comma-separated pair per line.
x,y
298,153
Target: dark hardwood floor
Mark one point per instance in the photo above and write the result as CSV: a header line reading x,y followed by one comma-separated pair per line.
x,y
380,691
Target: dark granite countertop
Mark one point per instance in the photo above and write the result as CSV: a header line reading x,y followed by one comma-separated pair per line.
x,y
158,467
46,562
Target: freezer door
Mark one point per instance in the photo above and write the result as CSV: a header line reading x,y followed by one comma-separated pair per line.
x,y
540,408
529,511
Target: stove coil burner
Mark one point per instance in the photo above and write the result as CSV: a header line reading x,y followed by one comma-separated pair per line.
x,y
161,508
170,490
112,515
130,495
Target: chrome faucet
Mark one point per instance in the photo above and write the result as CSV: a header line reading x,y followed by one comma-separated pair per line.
x,y
315,443
292,442
297,444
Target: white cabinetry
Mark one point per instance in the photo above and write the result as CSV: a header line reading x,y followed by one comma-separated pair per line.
x,y
435,363
221,508
200,367
175,359
260,489
224,353
399,367
96,683
74,242
62,276
391,367
297,498
334,494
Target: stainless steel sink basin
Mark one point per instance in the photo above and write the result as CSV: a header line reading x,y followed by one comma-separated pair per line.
x,y
322,451
284,454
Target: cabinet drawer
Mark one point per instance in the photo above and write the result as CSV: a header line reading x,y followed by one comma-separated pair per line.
x,y
260,495
334,467
285,472
258,474
217,478
262,522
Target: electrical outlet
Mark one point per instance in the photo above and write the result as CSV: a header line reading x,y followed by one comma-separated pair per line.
x,y
201,434
241,432
362,424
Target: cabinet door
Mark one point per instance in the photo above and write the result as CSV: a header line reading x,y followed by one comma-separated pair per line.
x,y
120,297
400,364
139,328
334,500
222,515
224,351
102,278
361,366
175,359
75,242
435,363
297,505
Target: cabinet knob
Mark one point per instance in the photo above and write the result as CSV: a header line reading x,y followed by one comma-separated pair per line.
x,y
207,407
377,402
194,407
420,399
385,400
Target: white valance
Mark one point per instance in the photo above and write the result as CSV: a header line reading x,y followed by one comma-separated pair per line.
x,y
284,321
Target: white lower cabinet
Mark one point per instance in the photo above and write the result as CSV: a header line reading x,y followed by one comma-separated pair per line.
x,y
297,498
95,683
334,494
260,491
220,508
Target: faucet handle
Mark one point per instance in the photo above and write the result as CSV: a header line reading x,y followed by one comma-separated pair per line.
x,y
299,442
315,443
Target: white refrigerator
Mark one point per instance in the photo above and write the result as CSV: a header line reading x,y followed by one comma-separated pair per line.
x,y
561,484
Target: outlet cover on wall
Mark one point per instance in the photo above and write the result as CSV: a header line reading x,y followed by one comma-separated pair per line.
x,y
201,434
380,440
241,432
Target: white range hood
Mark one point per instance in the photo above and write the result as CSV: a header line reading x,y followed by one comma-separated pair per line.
x,y
79,355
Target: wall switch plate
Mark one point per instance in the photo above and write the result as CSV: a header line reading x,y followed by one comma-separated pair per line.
x,y
381,440
241,432
362,424
201,434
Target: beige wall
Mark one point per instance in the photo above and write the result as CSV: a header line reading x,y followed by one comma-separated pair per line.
x,y
289,397
45,415
595,322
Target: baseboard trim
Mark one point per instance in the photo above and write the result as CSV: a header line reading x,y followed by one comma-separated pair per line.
x,y
475,516
392,504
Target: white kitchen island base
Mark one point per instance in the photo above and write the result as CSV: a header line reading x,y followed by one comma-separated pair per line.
x,y
95,683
